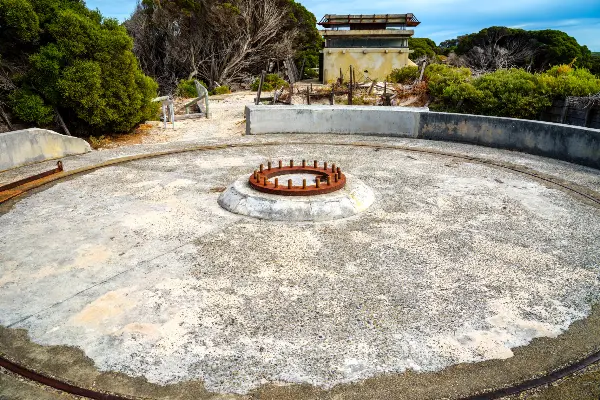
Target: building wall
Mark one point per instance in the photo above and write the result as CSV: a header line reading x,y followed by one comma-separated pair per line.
x,y
378,62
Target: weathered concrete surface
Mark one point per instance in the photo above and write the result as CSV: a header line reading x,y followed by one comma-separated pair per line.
x,y
33,145
455,263
354,198
563,142
389,121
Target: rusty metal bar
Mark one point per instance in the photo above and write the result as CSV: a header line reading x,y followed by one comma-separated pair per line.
x,y
9,186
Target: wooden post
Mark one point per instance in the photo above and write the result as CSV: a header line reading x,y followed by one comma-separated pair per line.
x,y
588,116
350,88
422,71
341,77
332,96
354,76
307,96
563,114
260,85
372,86
291,93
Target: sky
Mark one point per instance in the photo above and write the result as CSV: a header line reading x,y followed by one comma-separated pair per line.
x,y
447,19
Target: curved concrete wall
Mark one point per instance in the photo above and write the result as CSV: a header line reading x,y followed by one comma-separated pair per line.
x,y
564,142
29,146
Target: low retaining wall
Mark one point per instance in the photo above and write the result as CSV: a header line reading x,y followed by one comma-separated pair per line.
x,y
361,120
29,146
565,142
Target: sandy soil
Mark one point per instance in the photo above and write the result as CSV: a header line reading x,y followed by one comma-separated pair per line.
x,y
227,121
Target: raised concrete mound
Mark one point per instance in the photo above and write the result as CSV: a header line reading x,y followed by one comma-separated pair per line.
x,y
242,199
564,142
33,145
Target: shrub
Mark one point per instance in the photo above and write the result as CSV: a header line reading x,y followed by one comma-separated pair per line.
x,y
310,73
186,88
82,65
440,76
30,107
512,93
221,90
404,75
563,81
272,82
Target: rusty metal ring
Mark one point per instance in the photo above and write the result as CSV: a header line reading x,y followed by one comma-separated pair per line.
x,y
328,180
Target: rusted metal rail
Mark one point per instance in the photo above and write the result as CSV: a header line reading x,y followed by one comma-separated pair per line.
x,y
57,384
10,186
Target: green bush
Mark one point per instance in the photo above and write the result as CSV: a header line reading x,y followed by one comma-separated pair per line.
x,y
221,90
440,76
310,73
272,82
19,20
30,107
404,75
82,65
513,93
187,88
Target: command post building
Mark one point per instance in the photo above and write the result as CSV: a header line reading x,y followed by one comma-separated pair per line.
x,y
373,45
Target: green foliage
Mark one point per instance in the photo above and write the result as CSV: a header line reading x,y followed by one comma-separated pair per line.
x,y
512,93
272,82
564,80
80,64
448,46
422,47
404,75
310,73
221,90
594,66
30,107
309,41
187,88
552,47
18,21
440,76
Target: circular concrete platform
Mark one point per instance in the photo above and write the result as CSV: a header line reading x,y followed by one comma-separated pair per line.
x,y
461,277
240,198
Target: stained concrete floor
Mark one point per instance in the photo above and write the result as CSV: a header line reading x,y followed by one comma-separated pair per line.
x,y
456,263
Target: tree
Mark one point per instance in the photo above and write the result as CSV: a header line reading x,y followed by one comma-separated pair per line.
x,y
502,47
422,47
220,41
59,58
308,42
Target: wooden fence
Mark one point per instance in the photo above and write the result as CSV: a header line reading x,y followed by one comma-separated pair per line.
x,y
567,112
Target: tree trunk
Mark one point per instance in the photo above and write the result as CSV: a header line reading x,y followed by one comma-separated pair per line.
x,y
5,118
62,123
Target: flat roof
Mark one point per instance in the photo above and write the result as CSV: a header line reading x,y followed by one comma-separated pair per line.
x,y
334,20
